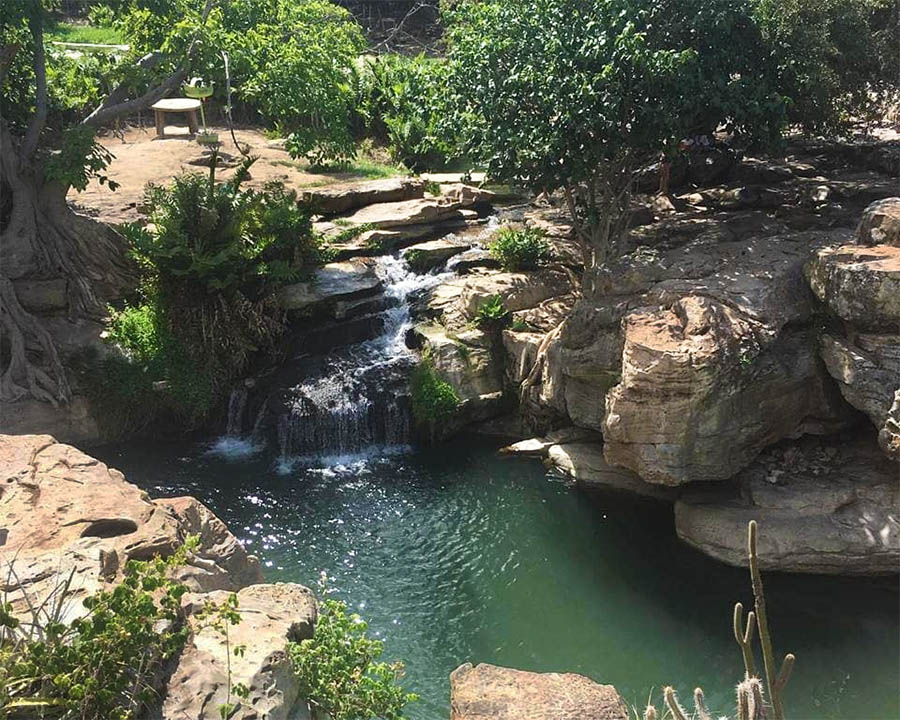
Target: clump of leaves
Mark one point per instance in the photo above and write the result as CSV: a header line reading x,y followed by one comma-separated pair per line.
x,y
100,666
519,248
492,313
339,671
434,400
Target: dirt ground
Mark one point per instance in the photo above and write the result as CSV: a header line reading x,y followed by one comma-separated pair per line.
x,y
141,157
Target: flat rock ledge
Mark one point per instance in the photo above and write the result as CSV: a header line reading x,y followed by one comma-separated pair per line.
x,y
821,509
490,692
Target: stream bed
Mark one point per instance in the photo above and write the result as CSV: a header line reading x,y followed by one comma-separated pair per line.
x,y
455,555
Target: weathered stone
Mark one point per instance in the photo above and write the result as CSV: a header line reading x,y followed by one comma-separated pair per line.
x,y
470,367
821,509
705,388
521,349
423,211
540,446
889,435
429,255
467,195
271,615
859,284
517,290
71,422
65,511
489,692
473,258
333,200
334,282
868,376
880,223
585,464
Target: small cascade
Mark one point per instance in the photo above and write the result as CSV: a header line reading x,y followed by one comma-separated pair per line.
x,y
360,398
237,404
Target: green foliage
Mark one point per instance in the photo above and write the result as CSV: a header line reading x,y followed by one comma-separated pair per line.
x,y
99,31
519,248
492,313
213,256
220,617
837,59
339,669
80,159
434,400
100,666
398,103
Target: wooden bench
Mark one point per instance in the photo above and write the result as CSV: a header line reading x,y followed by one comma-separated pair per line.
x,y
186,106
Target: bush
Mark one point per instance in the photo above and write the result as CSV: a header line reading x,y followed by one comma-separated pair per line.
x,y
434,400
492,313
398,103
100,666
213,256
519,248
339,672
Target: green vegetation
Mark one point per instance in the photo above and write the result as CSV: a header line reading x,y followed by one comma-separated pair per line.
x,y
83,33
100,666
751,691
339,669
519,248
434,400
212,257
492,313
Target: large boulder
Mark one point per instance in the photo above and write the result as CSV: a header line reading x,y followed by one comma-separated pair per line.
x,y
706,387
861,285
880,223
421,211
270,616
490,692
65,512
518,290
821,508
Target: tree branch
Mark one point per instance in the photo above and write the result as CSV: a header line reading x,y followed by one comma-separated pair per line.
x,y
113,106
39,119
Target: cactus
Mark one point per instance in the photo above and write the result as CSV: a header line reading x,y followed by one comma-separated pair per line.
x,y
775,683
750,702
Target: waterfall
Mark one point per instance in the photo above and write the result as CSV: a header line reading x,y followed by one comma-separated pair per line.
x,y
236,406
360,400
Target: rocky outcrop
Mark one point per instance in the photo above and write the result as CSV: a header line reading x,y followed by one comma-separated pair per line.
x,y
821,508
333,283
427,256
489,692
341,199
859,285
880,223
65,512
271,615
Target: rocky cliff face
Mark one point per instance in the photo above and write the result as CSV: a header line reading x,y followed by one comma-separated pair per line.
x,y
744,316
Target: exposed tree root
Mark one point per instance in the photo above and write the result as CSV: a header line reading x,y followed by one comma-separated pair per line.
x,y
22,377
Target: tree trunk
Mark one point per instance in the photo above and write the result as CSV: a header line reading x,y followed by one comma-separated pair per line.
x,y
41,238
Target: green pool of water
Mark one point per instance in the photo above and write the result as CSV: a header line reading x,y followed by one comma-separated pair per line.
x,y
455,555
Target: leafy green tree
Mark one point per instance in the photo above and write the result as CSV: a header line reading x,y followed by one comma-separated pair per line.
x,y
574,94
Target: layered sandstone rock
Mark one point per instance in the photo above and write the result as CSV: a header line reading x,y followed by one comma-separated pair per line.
x,y
333,200
64,512
821,508
489,692
271,615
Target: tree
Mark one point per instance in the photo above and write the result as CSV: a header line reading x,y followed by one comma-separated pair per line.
x,y
572,95
40,236
292,57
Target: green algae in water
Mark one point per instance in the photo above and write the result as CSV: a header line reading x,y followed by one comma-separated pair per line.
x,y
455,555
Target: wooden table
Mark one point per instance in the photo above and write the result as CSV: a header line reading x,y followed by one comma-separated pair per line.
x,y
187,106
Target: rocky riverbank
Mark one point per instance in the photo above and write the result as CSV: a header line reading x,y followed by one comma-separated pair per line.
x,y
66,517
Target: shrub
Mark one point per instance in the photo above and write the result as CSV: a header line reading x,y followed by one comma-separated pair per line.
x,y
434,400
398,101
213,256
519,248
339,670
492,313
100,666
